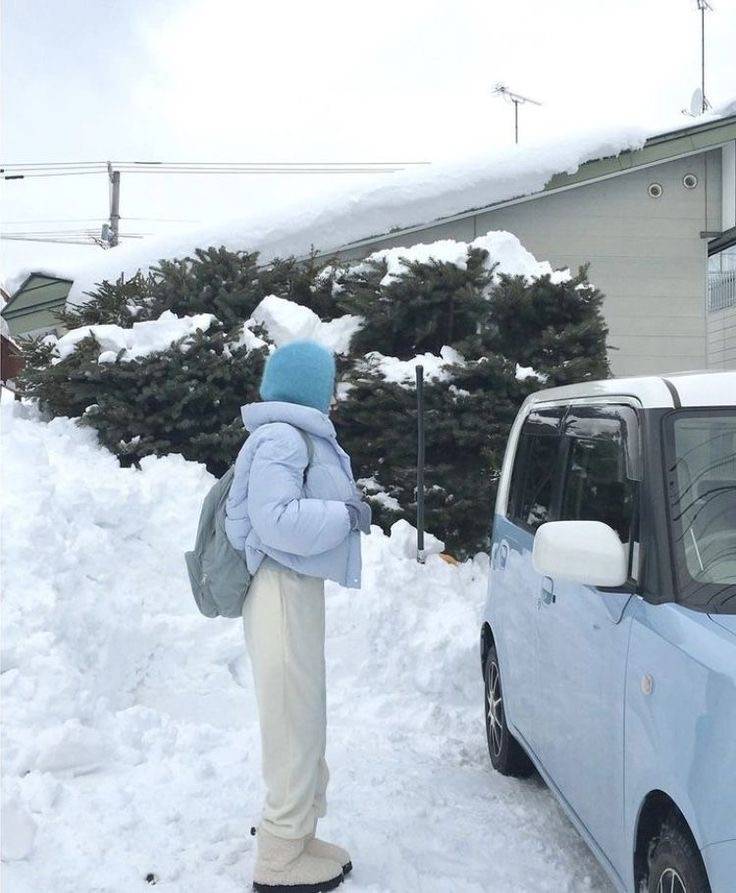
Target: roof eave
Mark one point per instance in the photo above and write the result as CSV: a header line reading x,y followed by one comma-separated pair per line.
x,y
690,141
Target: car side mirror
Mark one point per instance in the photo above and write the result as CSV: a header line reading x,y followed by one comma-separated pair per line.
x,y
588,552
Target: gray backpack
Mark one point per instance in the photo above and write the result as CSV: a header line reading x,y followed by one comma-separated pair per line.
x,y
218,574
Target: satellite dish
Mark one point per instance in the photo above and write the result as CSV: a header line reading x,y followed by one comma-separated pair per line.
x,y
696,102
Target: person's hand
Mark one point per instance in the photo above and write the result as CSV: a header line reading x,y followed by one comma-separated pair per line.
x,y
360,514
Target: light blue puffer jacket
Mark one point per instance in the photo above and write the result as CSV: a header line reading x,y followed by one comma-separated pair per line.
x,y
269,512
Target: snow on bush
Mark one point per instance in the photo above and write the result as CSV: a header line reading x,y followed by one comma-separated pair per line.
x,y
140,340
504,250
286,321
487,321
404,371
130,741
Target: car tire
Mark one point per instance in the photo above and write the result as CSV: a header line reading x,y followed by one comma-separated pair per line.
x,y
507,755
675,864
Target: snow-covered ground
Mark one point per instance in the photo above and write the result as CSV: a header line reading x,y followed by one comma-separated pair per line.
x,y
130,741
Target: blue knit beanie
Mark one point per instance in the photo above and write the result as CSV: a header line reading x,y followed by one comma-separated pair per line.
x,y
300,372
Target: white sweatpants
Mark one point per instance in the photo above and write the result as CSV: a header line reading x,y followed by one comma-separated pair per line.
x,y
284,621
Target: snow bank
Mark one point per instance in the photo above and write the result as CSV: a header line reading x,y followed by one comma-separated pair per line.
x,y
130,742
376,205
142,339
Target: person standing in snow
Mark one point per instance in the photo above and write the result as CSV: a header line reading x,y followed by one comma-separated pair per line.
x,y
294,509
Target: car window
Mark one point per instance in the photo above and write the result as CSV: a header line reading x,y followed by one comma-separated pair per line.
x,y
702,496
531,493
595,485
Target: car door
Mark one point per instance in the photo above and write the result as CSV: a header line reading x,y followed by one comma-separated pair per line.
x,y
514,586
583,631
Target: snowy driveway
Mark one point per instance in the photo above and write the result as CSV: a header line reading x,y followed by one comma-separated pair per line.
x,y
130,746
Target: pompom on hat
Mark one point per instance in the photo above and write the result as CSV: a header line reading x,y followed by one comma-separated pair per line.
x,y
300,372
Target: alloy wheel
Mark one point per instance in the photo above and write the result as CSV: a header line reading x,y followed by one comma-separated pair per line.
x,y
494,711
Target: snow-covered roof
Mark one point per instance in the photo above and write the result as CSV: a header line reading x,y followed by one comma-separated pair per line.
x,y
411,197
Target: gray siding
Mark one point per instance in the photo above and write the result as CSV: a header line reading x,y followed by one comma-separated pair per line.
x,y
646,255
722,339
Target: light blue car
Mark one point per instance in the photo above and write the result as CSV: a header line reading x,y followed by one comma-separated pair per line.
x,y
608,642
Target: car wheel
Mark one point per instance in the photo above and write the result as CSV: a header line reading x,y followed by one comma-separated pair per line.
x,y
675,864
507,755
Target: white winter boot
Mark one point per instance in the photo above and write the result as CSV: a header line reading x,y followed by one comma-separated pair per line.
x,y
285,866
324,850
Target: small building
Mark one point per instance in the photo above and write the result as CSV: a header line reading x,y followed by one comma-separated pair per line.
x,y
32,309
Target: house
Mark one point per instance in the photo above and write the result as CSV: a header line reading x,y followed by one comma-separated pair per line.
x,y
31,310
657,226
652,213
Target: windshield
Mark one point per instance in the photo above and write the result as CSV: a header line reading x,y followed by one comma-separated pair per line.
x,y
702,506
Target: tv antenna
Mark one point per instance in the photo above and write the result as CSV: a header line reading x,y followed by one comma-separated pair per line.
x,y
703,6
517,99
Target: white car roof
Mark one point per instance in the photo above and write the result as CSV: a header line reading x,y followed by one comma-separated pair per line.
x,y
687,389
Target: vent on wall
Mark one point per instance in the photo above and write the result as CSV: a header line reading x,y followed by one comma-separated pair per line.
x,y
655,190
689,181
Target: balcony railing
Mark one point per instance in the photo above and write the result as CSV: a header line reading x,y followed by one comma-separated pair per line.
x,y
721,290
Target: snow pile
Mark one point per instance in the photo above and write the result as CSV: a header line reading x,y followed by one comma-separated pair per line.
x,y
512,258
140,340
285,321
358,210
504,249
130,741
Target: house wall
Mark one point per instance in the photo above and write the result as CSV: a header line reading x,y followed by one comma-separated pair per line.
x,y
646,255
35,322
31,310
722,339
721,324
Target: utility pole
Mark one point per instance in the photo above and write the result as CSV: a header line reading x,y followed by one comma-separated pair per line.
x,y
517,99
114,205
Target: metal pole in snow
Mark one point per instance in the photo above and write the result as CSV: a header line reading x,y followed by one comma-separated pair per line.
x,y
420,464
516,121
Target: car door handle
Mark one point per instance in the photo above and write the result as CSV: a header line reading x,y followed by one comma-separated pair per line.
x,y
548,591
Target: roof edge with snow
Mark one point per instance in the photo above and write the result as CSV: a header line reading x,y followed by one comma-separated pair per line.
x,y
657,149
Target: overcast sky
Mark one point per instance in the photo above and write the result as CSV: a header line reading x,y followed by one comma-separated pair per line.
x,y
233,80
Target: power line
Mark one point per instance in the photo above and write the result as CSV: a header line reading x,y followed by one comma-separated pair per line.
x,y
109,231
99,219
310,171
18,171
72,239
58,220
45,164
